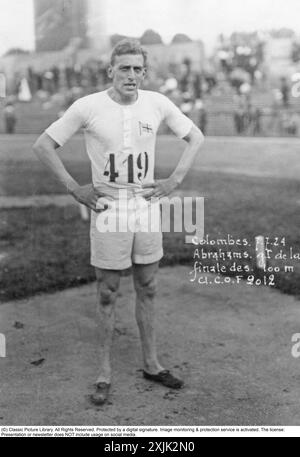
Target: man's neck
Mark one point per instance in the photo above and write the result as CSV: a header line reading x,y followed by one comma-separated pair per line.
x,y
118,98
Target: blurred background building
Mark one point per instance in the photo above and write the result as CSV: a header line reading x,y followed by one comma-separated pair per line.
x,y
58,22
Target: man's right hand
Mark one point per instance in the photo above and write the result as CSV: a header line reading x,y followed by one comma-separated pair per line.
x,y
88,196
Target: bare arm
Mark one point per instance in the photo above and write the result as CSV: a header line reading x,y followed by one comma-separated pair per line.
x,y
195,140
165,186
45,149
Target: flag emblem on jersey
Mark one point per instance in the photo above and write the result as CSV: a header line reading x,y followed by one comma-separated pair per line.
x,y
145,128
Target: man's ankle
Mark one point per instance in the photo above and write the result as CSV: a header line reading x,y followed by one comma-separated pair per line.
x,y
104,378
153,368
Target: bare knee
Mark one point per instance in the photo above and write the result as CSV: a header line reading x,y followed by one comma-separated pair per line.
x,y
107,285
107,292
146,288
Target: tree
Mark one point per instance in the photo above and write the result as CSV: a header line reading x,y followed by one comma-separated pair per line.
x,y
151,37
16,51
181,38
282,33
114,39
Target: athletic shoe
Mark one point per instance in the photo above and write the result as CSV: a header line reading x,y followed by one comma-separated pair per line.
x,y
100,396
165,378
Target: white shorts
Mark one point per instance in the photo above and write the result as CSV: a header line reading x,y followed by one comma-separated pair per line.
x,y
127,232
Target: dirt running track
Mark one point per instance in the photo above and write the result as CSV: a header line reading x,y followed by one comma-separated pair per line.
x,y
231,344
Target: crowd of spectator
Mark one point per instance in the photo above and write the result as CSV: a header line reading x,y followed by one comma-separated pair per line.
x,y
62,85
88,76
238,63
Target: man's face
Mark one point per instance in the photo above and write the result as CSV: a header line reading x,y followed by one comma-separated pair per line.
x,y
127,74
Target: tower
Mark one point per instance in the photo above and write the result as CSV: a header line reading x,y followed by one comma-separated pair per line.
x,y
58,22
96,24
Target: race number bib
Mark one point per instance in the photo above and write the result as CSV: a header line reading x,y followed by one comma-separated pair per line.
x,y
132,168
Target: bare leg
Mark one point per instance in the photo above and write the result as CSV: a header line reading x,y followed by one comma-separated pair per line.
x,y
144,277
108,282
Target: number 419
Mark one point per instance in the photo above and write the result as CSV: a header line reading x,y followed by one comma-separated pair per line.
x,y
113,173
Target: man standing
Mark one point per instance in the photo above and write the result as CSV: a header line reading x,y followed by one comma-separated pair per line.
x,y
120,126
10,118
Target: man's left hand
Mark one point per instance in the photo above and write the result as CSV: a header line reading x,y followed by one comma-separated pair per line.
x,y
159,188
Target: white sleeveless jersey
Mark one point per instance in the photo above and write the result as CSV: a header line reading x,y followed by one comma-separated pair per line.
x,y
120,139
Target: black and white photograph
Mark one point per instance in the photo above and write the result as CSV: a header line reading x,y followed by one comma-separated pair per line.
x,y
149,217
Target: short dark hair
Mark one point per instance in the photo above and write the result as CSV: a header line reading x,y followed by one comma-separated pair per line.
x,y
128,46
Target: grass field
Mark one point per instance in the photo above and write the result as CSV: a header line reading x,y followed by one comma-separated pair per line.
x,y
45,249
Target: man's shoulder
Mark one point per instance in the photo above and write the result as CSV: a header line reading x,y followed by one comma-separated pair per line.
x,y
152,95
91,98
155,98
